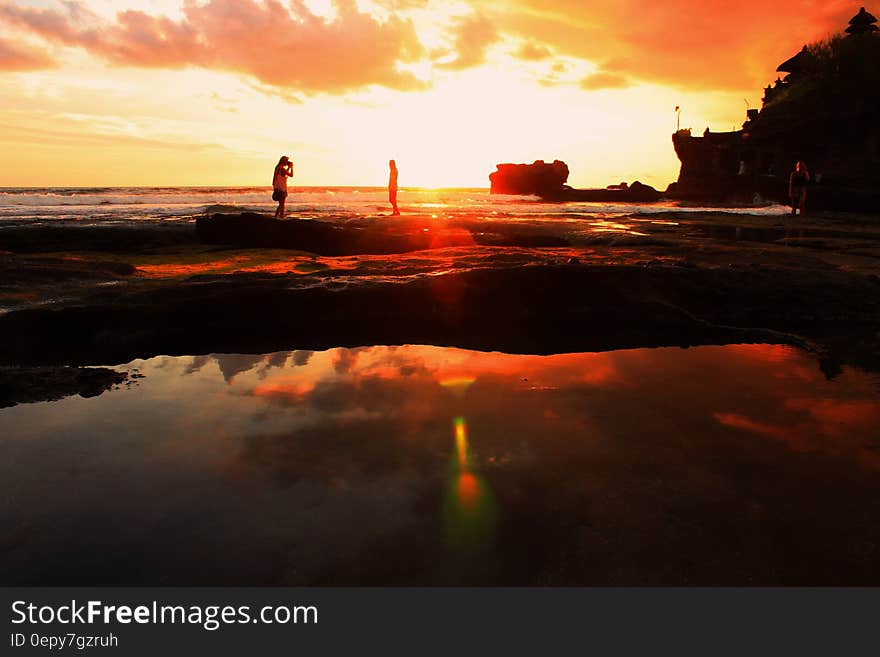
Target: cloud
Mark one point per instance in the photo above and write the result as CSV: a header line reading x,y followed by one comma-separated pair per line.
x,y
598,81
278,44
55,26
289,96
68,132
396,5
532,52
705,44
18,58
473,35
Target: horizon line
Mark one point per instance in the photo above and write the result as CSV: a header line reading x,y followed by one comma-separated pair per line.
x,y
267,187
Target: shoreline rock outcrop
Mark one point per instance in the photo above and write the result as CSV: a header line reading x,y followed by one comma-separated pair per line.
x,y
639,306
249,230
822,112
547,181
535,179
28,385
252,230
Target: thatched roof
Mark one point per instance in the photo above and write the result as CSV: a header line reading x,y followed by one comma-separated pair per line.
x,y
861,23
797,64
862,18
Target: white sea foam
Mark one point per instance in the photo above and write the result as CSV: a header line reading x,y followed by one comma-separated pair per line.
x,y
98,205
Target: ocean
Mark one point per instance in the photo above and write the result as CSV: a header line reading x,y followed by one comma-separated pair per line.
x,y
102,205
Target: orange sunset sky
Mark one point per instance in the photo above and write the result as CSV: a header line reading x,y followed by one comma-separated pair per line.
x,y
211,92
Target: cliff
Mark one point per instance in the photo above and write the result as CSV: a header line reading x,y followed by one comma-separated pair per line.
x,y
823,112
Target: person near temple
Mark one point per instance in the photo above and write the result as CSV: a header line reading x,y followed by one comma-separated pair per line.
x,y
797,188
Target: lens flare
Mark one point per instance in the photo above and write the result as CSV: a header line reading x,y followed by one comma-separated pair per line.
x,y
461,446
458,385
468,491
469,510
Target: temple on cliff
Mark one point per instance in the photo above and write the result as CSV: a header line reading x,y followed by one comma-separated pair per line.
x,y
823,111
861,23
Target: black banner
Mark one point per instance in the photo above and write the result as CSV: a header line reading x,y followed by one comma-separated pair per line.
x,y
391,621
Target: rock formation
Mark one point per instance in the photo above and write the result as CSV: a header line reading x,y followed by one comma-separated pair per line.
x,y
824,112
28,385
548,182
252,230
415,233
538,178
622,193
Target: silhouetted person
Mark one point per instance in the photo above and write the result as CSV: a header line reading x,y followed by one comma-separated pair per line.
x,y
283,171
797,188
392,187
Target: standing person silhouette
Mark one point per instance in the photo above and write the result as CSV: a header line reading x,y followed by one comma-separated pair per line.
x,y
797,188
283,171
392,187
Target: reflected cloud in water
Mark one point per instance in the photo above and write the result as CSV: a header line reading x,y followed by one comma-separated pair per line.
x,y
386,465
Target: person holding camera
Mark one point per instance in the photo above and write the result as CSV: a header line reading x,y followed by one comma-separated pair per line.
x,y
283,171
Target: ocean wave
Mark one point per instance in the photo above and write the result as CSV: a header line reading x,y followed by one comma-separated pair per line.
x,y
98,205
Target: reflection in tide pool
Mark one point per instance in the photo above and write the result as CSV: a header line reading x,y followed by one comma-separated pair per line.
x,y
469,513
426,465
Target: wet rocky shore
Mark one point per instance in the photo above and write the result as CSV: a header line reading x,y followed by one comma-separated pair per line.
x,y
589,458
674,279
